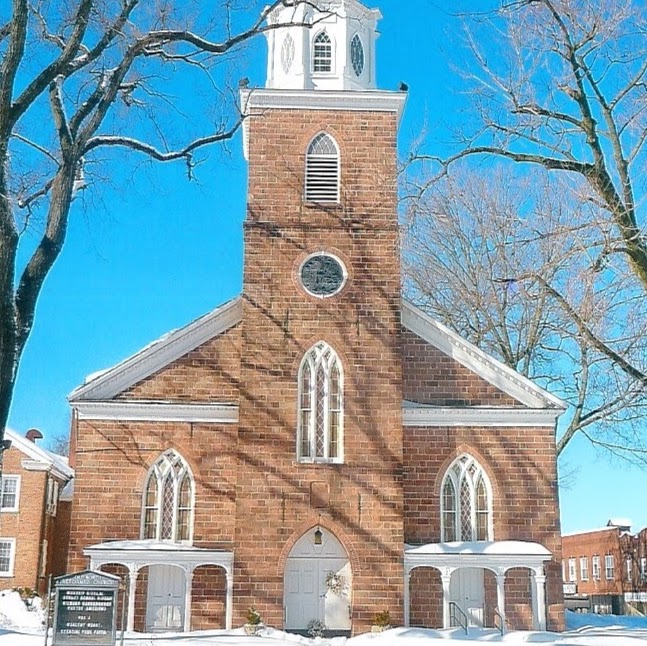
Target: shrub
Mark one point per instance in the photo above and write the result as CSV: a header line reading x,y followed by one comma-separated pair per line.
x,y
382,618
316,628
253,616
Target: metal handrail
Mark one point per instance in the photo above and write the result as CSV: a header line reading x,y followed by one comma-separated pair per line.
x,y
501,625
457,616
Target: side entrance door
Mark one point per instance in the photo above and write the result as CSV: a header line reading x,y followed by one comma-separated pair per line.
x,y
317,585
165,599
467,590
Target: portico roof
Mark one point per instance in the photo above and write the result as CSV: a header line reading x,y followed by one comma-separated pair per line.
x,y
491,555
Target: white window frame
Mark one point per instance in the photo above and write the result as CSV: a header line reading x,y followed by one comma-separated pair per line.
x,y
331,41
465,461
12,557
17,480
584,568
321,158
629,568
325,357
643,566
158,471
572,572
609,567
595,567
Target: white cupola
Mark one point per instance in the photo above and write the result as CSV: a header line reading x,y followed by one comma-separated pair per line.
x,y
331,48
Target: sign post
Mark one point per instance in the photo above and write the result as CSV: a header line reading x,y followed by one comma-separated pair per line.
x,y
85,609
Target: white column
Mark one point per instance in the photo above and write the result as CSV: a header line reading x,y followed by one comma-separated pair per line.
x,y
500,594
229,605
132,589
407,599
539,600
446,578
188,589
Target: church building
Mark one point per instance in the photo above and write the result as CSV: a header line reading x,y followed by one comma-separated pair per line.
x,y
319,448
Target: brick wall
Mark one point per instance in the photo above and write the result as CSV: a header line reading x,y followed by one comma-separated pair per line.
x,y
364,507
520,464
26,524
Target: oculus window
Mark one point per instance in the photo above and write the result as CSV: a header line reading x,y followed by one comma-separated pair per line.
x,y
322,275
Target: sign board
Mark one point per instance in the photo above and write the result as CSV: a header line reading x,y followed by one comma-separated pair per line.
x,y
636,597
85,609
570,588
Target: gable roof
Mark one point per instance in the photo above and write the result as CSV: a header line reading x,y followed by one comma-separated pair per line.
x,y
158,354
473,358
106,384
53,462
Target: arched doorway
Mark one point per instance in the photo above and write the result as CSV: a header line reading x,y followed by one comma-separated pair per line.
x,y
317,583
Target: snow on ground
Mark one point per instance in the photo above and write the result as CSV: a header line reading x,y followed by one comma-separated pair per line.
x,y
22,627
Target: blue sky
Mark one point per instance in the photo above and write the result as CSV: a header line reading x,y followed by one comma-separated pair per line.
x,y
149,252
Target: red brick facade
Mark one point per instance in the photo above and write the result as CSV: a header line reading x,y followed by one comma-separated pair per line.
x,y
38,530
253,496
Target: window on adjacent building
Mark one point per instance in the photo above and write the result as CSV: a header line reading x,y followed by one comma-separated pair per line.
x,y
572,574
169,500
320,420
609,566
322,53
322,170
584,568
465,502
596,567
7,556
52,496
643,567
629,569
10,493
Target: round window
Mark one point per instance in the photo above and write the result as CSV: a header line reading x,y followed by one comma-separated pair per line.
x,y
322,275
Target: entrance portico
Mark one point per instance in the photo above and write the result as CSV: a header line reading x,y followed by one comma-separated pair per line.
x,y
163,558
496,556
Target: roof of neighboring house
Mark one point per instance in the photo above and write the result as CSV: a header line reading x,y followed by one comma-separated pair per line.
x,y
47,460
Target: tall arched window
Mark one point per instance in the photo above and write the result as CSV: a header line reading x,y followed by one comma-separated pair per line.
x,y
322,53
320,423
168,500
466,502
322,169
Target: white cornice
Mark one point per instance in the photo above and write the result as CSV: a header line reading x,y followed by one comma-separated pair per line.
x,y
335,100
475,416
159,354
157,411
479,362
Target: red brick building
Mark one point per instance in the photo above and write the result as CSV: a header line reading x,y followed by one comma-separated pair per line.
x,y
319,448
605,570
34,514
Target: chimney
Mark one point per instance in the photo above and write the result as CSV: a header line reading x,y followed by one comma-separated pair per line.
x,y
33,434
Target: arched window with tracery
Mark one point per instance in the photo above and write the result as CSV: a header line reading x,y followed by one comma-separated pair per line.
x,y
167,513
466,502
322,53
320,421
322,169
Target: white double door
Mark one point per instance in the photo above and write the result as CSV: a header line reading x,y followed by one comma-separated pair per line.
x,y
166,597
307,595
467,590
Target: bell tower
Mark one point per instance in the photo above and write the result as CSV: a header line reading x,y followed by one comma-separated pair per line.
x,y
319,446
331,47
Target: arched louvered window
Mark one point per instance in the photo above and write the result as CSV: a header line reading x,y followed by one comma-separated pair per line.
x,y
322,53
322,169
320,422
168,500
466,502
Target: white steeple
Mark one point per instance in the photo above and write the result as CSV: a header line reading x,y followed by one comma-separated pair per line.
x,y
336,51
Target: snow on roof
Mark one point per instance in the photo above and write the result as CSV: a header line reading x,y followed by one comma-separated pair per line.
x,y
480,547
146,545
623,523
608,528
58,463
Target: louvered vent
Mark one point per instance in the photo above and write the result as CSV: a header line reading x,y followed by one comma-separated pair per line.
x,y
322,170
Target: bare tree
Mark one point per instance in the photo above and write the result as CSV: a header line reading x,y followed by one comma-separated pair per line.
x,y
478,253
560,90
78,77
